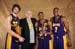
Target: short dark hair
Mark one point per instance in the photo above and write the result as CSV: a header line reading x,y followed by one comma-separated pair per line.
x,y
16,5
40,13
55,8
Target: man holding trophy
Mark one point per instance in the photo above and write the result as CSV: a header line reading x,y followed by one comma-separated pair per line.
x,y
44,32
13,29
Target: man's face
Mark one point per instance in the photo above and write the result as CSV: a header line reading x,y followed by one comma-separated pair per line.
x,y
41,16
29,14
56,12
16,10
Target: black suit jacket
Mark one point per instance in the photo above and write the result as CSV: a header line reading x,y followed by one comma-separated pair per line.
x,y
25,29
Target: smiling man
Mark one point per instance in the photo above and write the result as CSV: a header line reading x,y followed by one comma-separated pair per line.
x,y
28,31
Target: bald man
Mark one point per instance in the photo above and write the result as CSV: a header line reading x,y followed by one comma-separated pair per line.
x,y
28,31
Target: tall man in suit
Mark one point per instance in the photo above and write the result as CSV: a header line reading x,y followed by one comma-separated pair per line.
x,y
28,31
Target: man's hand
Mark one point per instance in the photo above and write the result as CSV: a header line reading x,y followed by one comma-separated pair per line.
x,y
21,39
48,33
69,44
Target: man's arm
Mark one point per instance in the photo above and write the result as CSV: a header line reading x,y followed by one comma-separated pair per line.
x,y
51,20
50,24
66,24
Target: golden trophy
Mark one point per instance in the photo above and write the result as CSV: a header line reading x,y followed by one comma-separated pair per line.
x,y
16,26
42,31
44,28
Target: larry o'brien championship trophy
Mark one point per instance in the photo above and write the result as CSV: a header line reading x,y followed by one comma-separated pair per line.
x,y
15,27
42,31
